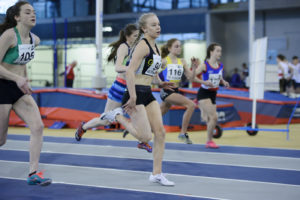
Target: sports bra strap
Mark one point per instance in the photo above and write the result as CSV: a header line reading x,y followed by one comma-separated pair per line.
x,y
157,49
31,38
18,35
128,48
151,47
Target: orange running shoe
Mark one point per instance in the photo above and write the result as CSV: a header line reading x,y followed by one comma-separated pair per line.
x,y
144,145
79,132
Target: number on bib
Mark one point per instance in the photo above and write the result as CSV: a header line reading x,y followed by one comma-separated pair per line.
x,y
174,72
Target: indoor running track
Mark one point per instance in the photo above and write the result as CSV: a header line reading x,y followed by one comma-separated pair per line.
x,y
116,169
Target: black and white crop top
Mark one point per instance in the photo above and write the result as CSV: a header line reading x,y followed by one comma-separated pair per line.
x,y
151,63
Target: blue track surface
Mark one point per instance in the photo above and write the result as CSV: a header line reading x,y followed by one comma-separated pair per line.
x,y
194,169
22,191
67,168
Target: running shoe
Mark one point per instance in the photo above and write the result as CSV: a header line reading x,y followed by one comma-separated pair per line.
x,y
111,115
185,138
144,145
38,179
79,132
125,133
161,179
212,145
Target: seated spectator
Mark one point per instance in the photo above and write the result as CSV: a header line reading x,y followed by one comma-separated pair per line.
x,y
236,80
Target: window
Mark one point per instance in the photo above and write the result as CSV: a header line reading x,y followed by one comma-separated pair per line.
x,y
5,4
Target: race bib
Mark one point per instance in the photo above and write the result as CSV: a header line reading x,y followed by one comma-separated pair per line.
x,y
154,66
175,72
26,54
215,79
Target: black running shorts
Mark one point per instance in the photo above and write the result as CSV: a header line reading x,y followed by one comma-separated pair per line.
x,y
165,93
207,94
143,95
10,93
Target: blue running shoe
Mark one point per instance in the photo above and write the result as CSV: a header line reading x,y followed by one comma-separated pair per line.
x,y
144,145
38,179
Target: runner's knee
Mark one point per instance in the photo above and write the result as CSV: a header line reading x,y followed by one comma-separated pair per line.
x,y
2,141
190,105
213,118
160,133
3,135
37,128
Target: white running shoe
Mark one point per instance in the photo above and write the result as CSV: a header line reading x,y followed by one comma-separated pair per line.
x,y
111,115
161,179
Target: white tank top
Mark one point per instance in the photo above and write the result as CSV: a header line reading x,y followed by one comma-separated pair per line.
x,y
285,73
296,74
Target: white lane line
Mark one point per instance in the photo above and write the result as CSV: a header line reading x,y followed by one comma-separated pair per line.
x,y
200,145
240,160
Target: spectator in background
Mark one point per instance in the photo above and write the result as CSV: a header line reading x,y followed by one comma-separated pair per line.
x,y
70,74
245,71
226,75
296,75
285,72
236,80
245,74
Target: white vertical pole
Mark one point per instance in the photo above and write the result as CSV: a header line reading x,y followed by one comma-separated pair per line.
x,y
99,81
208,28
251,60
99,36
251,28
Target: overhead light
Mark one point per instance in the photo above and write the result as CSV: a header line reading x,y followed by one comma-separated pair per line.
x,y
107,29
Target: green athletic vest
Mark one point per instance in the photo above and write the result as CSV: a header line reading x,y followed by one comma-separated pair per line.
x,y
21,54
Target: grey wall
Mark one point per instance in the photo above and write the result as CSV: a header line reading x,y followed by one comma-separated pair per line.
x,y
231,31
282,27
